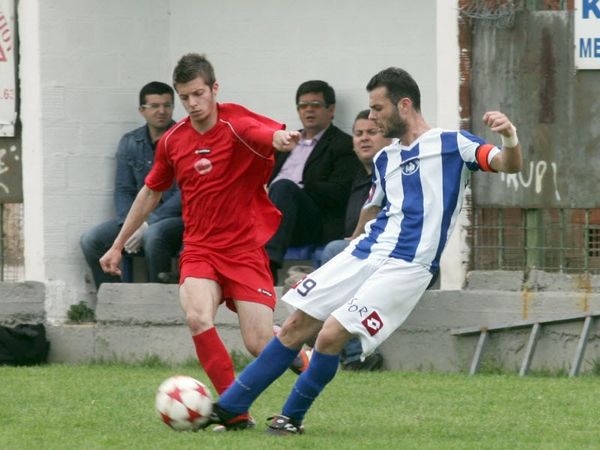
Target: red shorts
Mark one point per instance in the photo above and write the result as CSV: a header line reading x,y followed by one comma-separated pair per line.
x,y
245,276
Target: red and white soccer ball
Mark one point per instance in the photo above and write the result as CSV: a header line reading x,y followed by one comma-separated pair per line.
x,y
183,403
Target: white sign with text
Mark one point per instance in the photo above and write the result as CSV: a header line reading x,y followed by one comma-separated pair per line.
x,y
587,34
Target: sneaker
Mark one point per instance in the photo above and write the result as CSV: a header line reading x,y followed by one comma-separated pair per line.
x,y
283,426
300,362
229,421
371,363
221,428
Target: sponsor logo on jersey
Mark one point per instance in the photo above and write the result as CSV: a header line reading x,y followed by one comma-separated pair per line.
x,y
410,166
373,323
202,151
265,292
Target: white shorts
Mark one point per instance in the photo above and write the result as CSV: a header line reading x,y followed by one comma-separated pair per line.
x,y
369,297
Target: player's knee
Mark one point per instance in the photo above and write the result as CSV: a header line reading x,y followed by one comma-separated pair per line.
x,y
197,323
331,340
256,345
298,329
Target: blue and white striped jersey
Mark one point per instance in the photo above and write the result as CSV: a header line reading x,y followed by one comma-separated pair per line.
x,y
420,190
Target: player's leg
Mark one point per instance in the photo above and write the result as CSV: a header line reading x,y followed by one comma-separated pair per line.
x,y
377,308
321,370
200,299
256,325
270,364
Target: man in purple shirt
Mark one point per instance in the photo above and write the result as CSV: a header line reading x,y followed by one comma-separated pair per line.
x,y
310,185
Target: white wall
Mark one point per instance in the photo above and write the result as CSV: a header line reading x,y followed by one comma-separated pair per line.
x,y
263,50
83,62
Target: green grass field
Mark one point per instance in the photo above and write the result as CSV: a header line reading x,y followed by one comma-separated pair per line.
x,y
111,406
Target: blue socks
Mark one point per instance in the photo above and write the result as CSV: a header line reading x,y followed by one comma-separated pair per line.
x,y
321,370
272,362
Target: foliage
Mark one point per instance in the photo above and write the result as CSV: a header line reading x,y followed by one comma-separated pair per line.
x,y
80,313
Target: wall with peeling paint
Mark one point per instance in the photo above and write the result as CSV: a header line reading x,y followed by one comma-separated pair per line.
x,y
527,71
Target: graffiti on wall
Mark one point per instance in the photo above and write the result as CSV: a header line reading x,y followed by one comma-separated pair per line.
x,y
10,172
534,177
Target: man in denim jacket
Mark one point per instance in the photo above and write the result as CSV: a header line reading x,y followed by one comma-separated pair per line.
x,y
160,237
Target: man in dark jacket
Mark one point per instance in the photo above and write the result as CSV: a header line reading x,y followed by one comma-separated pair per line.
x,y
310,185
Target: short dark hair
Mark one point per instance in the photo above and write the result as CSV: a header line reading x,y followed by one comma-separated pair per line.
x,y
192,66
317,86
364,114
157,88
399,84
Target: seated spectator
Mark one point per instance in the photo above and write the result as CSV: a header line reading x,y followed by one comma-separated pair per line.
x,y
310,185
368,140
160,237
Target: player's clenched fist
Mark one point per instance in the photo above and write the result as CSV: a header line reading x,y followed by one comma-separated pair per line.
x,y
499,123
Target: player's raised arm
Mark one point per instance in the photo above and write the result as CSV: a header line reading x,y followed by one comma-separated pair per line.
x,y
284,140
145,201
510,159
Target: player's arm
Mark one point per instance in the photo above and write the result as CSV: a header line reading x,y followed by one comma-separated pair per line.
x,y
284,140
366,215
145,201
510,159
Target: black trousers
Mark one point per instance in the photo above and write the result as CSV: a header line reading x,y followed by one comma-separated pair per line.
x,y
301,222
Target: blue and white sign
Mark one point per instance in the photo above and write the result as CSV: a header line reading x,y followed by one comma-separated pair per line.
x,y
587,34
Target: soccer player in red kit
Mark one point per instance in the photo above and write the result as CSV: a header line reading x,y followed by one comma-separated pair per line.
x,y
221,156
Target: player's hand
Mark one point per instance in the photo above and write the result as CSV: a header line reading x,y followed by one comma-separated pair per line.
x,y
110,261
284,140
134,243
499,123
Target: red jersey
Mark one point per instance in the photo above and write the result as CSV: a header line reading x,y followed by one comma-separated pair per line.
x,y
222,176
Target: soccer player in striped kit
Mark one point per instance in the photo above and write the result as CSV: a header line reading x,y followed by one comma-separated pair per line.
x,y
369,290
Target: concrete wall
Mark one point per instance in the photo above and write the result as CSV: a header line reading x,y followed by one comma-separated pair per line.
x,y
554,106
139,320
83,62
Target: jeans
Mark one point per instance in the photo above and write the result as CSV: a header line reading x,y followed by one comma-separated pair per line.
x,y
300,222
161,242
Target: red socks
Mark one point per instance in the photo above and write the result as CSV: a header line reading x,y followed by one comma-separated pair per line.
x,y
214,359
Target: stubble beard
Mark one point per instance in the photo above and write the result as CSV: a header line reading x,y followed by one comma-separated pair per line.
x,y
395,126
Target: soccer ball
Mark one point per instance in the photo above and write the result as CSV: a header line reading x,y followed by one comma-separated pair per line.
x,y
183,403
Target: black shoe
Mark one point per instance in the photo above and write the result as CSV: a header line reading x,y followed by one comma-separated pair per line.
x,y
371,363
283,426
228,420
220,428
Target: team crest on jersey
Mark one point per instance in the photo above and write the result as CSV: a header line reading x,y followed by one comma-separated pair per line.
x,y
373,323
203,166
410,167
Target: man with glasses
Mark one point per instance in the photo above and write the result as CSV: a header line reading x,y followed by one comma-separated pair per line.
x,y
310,185
161,235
